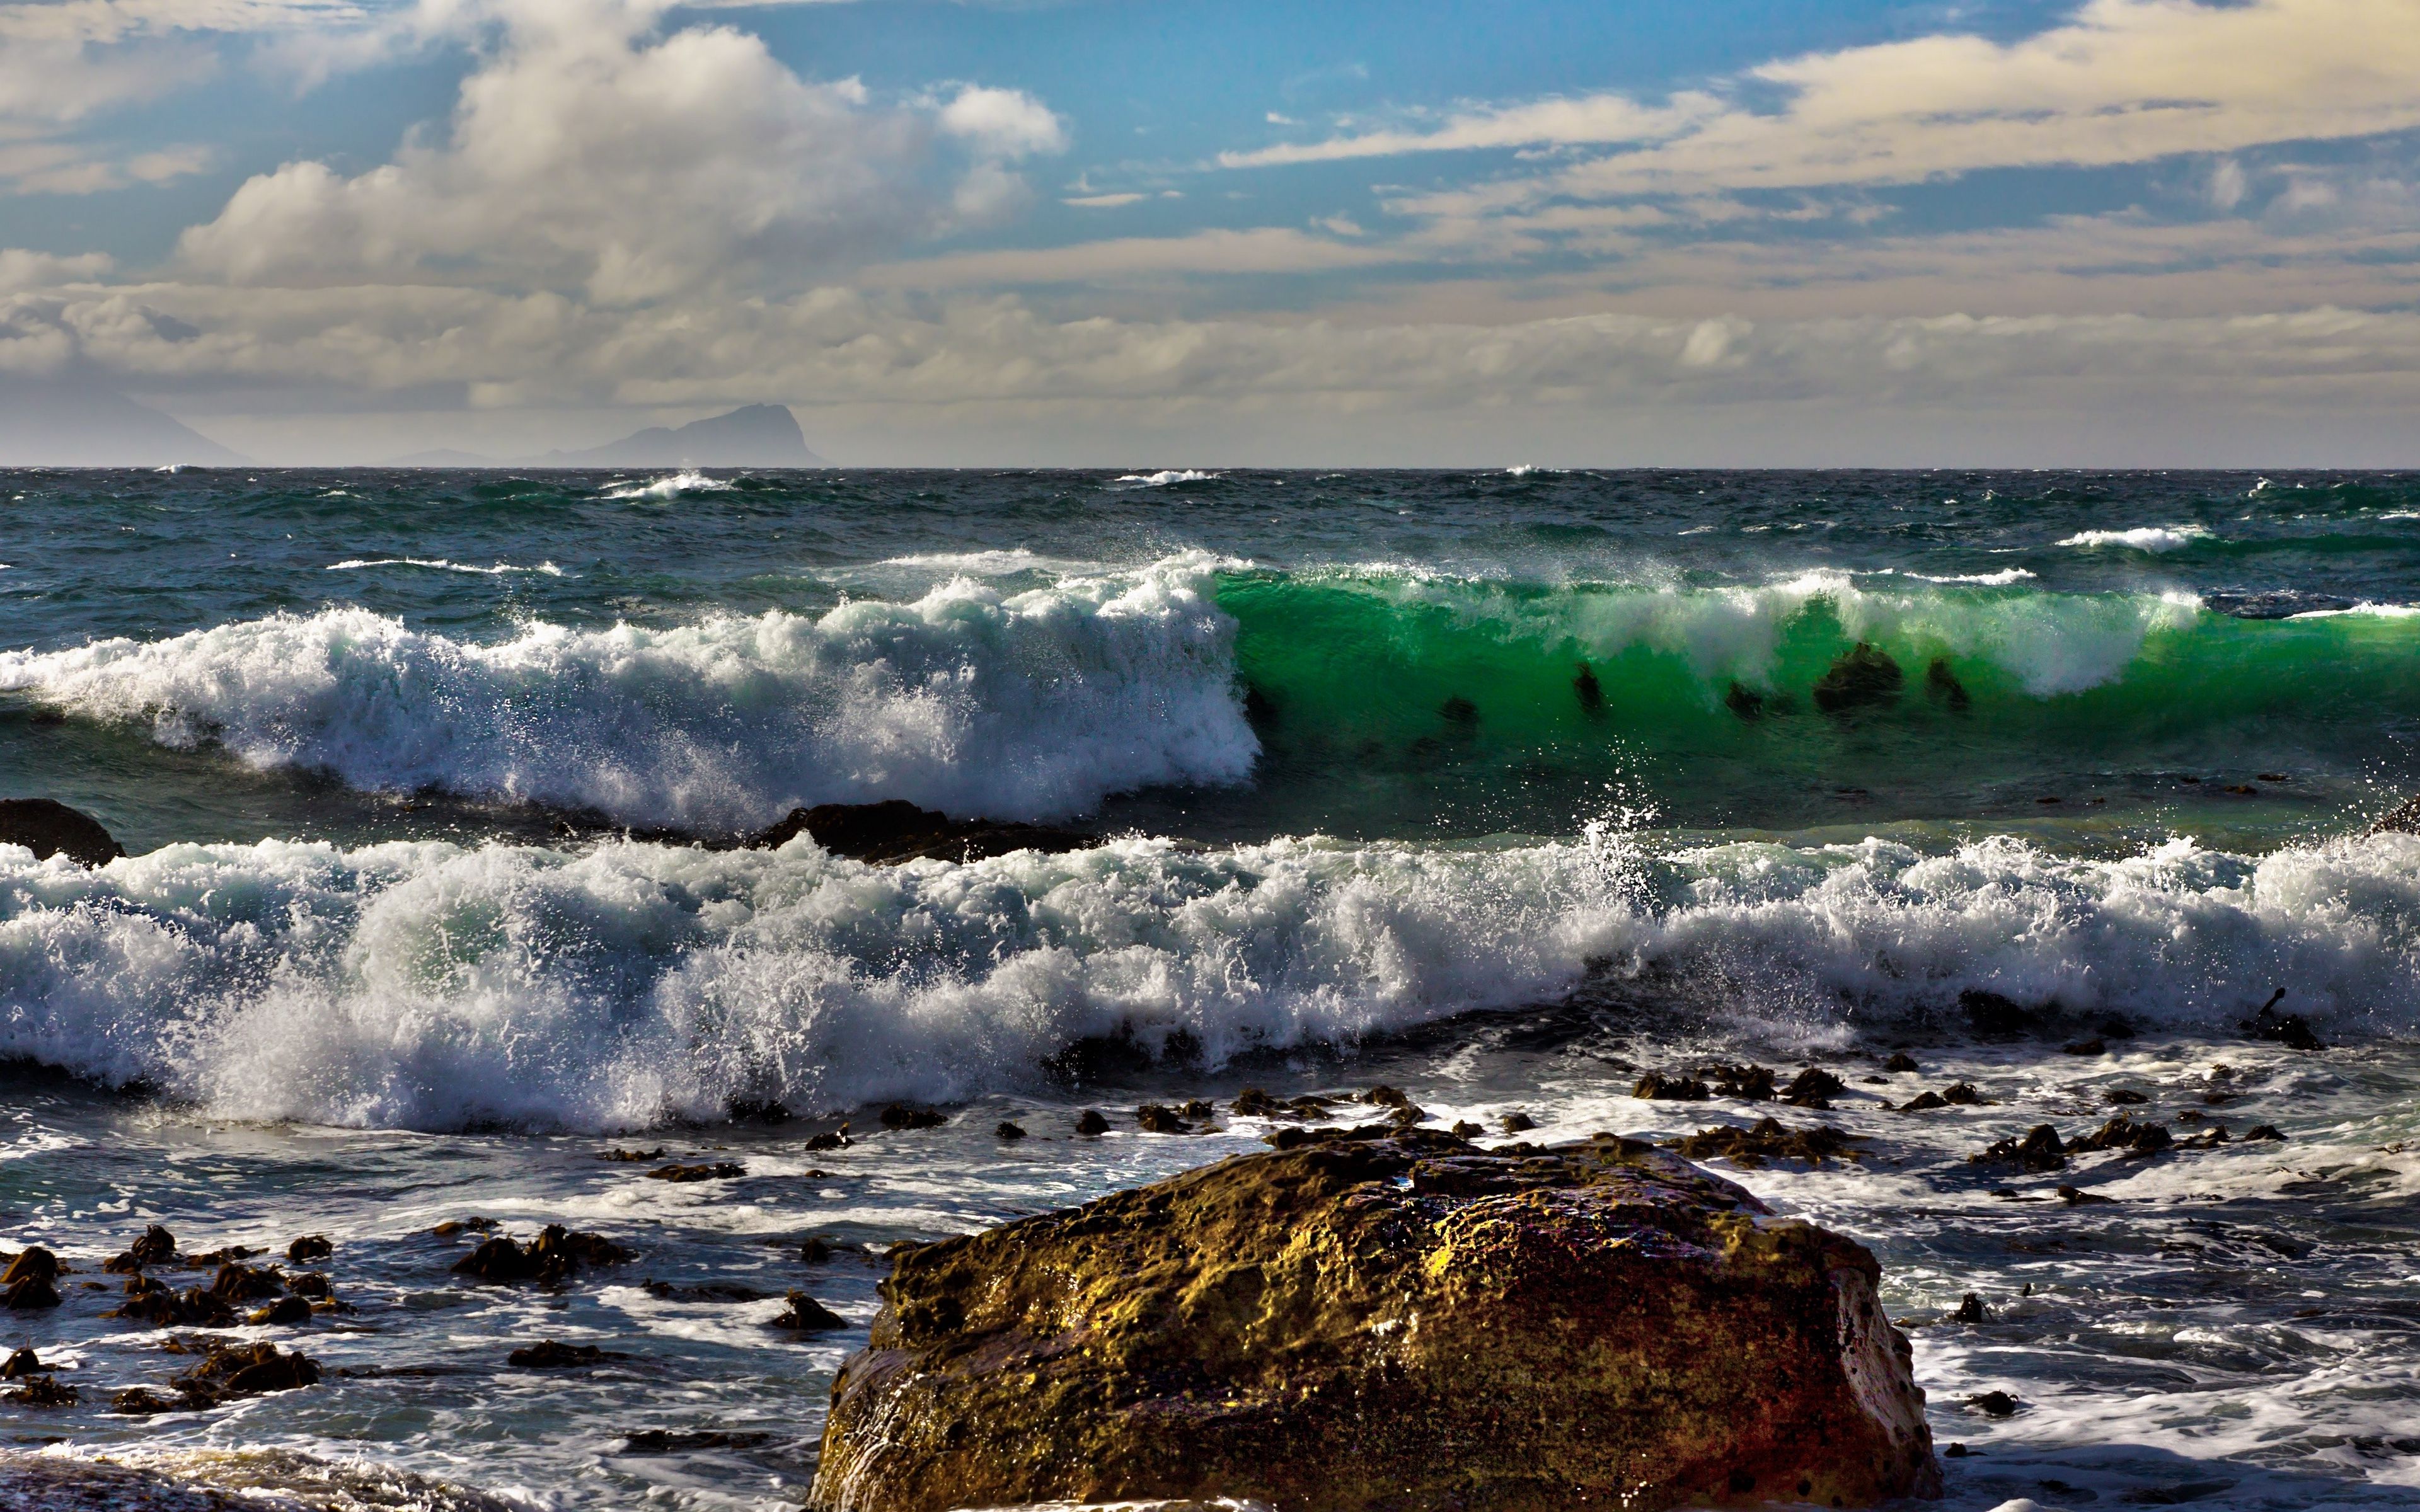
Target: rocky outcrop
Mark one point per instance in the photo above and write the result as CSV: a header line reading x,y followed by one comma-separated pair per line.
x,y
896,830
1386,1319
1863,675
48,828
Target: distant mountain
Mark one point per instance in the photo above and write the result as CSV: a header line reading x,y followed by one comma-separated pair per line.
x,y
76,420
756,436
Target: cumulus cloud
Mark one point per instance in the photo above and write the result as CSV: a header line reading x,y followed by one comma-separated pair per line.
x,y
2122,80
589,150
1216,253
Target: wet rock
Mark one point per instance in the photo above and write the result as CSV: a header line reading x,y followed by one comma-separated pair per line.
x,y
2263,1132
1768,1139
2084,1047
1996,1016
1971,1310
2403,819
1091,1122
247,1282
212,1259
22,1364
245,1371
452,1226
2288,1030
29,1294
1460,714
1902,1061
1964,1094
898,1116
309,1248
284,1313
309,1284
42,1390
1243,1331
554,1255
2039,1150
1153,1119
141,1401
1006,1129
1513,1123
1995,1404
2124,1097
815,1252
1251,1103
156,1247
711,1291
1465,1129
807,1316
895,831
1751,1083
1197,1108
633,1157
548,1356
157,1306
2075,1196
1657,1088
665,1442
1942,685
35,1264
721,1170
1923,1103
829,1139
48,828
1813,1088
1863,675
1744,702
2124,1135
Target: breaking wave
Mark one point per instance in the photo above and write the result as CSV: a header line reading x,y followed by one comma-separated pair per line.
x,y
430,986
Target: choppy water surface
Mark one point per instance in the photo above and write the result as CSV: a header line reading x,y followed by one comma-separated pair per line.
x,y
1500,789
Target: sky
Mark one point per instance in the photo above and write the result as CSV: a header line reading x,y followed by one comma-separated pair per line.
x,y
1177,232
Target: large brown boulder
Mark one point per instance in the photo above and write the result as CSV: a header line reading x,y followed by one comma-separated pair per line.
x,y
1403,1322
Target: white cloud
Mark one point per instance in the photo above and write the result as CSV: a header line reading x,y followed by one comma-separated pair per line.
x,y
2122,80
587,151
1219,254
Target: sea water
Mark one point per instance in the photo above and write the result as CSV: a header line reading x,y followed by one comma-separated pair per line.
x,y
1502,789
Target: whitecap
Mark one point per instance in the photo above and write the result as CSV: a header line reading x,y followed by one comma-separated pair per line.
x,y
441,564
2140,538
1162,479
671,488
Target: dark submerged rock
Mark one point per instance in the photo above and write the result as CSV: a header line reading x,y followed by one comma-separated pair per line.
x,y
895,831
1863,675
2288,1030
898,1116
554,1255
807,1316
1513,1123
48,828
1902,1061
309,1248
42,1390
1942,685
1008,1130
2124,1135
22,1364
1744,702
1588,691
1813,1088
1154,1118
2124,1097
1596,1322
633,1157
1995,1404
1971,1310
1091,1122
245,1371
548,1356
721,1170
2040,1149
284,1313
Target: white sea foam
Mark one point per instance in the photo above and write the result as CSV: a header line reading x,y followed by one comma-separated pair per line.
x,y
439,564
2001,579
1162,479
671,488
425,985
2141,538
968,699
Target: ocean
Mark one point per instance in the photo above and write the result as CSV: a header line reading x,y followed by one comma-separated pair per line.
x,y
1504,789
